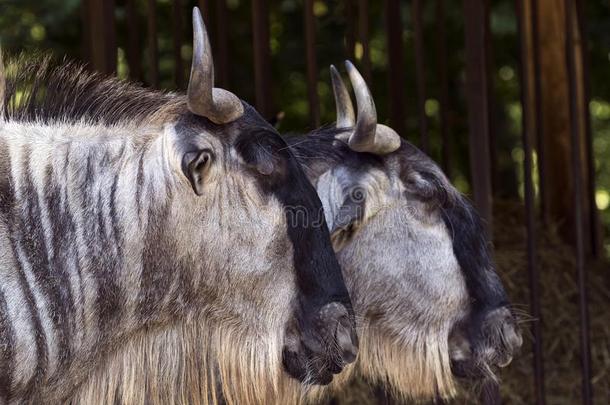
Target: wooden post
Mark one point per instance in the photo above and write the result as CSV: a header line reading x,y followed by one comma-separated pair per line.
x,y
262,57
363,38
222,41
478,107
443,78
524,20
153,47
134,57
350,34
556,122
312,66
576,139
99,23
396,82
178,41
420,75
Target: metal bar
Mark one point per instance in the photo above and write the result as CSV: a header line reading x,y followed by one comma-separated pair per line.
x,y
594,219
153,46
585,351
204,7
443,77
538,108
178,41
396,78
491,101
110,33
133,46
262,57
85,52
350,34
102,35
312,67
222,48
363,39
478,107
528,124
420,75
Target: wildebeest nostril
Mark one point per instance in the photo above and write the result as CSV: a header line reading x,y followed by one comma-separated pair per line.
x,y
512,336
344,333
343,337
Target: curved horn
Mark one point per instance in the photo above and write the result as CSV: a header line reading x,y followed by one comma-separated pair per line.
x,y
367,135
345,110
218,105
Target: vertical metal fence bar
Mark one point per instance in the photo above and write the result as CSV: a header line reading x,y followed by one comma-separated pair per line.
x,y
594,220
110,33
540,153
312,66
478,108
102,49
491,101
585,353
204,7
363,39
528,124
396,79
85,52
443,78
222,41
420,75
350,32
178,41
133,45
262,57
153,46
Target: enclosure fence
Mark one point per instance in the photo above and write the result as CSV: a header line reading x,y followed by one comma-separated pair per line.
x,y
100,49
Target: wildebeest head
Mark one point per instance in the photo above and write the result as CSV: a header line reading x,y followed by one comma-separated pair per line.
x,y
231,157
414,251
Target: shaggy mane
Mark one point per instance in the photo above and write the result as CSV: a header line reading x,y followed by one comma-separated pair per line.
x,y
38,90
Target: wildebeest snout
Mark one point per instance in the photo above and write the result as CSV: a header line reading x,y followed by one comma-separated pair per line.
x,y
321,345
490,342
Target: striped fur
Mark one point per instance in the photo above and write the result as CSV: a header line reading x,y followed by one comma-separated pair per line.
x,y
103,242
405,343
407,287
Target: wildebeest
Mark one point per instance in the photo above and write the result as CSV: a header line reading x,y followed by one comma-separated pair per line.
x,y
414,252
125,211
417,263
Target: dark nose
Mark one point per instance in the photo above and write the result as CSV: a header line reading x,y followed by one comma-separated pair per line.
x,y
344,332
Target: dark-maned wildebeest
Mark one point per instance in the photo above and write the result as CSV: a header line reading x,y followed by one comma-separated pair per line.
x,y
415,255
417,263
124,211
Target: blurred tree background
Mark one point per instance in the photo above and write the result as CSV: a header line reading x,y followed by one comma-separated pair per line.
x,y
29,26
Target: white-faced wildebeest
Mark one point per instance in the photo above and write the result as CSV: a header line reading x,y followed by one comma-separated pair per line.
x,y
417,263
123,212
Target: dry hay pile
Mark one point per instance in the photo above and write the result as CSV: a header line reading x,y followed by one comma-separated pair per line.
x,y
560,316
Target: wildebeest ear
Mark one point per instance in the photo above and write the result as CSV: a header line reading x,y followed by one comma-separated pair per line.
x,y
195,166
348,219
